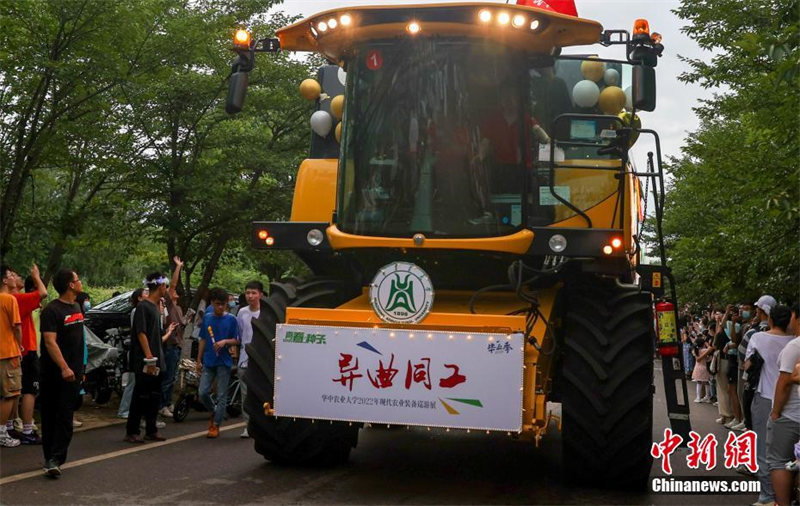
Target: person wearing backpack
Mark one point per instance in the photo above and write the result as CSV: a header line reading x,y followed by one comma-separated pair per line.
x,y
769,345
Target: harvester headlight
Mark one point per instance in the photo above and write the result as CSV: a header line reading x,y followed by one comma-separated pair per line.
x,y
413,28
314,237
485,15
332,23
269,241
518,21
345,20
534,24
616,243
558,243
322,26
503,18
608,249
263,234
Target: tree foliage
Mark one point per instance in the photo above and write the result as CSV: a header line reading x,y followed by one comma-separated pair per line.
x,y
115,151
733,208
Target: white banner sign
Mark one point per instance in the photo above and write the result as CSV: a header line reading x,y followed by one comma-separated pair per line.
x,y
406,377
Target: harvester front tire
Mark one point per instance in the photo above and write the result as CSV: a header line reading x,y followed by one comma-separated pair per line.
x,y
284,440
607,402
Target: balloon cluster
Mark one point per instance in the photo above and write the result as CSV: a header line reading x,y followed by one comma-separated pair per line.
x,y
322,121
612,99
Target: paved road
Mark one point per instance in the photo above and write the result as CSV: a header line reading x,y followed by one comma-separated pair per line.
x,y
388,467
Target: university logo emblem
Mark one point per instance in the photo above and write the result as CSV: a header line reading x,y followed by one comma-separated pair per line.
x,y
401,292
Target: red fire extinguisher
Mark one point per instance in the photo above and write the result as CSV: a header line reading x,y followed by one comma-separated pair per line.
x,y
667,329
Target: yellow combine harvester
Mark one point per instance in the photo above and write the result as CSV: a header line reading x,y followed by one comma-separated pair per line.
x,y
472,221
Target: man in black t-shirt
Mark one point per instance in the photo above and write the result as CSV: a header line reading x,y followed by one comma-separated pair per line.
x,y
61,324
147,361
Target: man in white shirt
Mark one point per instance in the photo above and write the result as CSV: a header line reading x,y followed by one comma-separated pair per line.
x,y
769,345
252,294
783,428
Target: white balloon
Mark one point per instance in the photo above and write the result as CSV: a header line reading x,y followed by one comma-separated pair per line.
x,y
342,75
611,77
321,123
628,98
585,93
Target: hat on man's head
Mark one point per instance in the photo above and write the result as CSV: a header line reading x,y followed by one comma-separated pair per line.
x,y
766,303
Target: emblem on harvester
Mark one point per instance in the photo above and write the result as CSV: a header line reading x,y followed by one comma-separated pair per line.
x,y
401,292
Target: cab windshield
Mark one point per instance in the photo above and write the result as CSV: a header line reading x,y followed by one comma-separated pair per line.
x,y
448,137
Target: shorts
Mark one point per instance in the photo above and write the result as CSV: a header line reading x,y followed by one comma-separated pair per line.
x,y
782,434
30,373
10,377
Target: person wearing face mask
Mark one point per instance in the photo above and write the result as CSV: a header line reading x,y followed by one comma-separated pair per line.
x,y
763,306
233,307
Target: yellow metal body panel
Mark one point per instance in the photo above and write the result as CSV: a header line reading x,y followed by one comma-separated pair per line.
x,y
450,312
315,190
517,243
557,30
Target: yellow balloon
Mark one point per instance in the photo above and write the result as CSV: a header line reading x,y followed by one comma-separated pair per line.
x,y
593,70
612,100
337,104
631,120
338,132
310,89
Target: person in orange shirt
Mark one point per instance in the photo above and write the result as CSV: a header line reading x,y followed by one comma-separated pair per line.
x,y
10,367
28,302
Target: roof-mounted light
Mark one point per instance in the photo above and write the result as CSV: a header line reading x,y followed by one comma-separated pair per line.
x,y
332,23
518,21
242,38
641,27
485,15
413,28
322,26
503,18
346,19
535,24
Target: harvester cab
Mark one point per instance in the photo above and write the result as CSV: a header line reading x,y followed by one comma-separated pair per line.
x,y
473,223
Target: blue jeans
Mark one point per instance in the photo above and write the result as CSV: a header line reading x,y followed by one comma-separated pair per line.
x,y
222,373
172,356
127,395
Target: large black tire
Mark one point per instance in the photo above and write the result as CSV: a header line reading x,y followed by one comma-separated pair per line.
x,y
284,440
607,396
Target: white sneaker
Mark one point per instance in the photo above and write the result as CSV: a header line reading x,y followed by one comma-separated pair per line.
x,y
706,400
165,412
7,441
698,400
159,424
740,426
722,420
76,423
244,434
731,423
716,403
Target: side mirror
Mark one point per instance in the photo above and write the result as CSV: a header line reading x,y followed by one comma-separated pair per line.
x,y
237,90
644,88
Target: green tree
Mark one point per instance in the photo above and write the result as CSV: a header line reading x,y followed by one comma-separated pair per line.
x,y
733,207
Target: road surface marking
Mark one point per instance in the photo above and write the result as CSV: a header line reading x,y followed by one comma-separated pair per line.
x,y
119,453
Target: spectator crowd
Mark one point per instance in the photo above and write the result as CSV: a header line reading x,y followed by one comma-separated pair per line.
x,y
53,368
745,360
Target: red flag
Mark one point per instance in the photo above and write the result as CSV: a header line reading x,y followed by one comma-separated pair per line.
x,y
561,6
